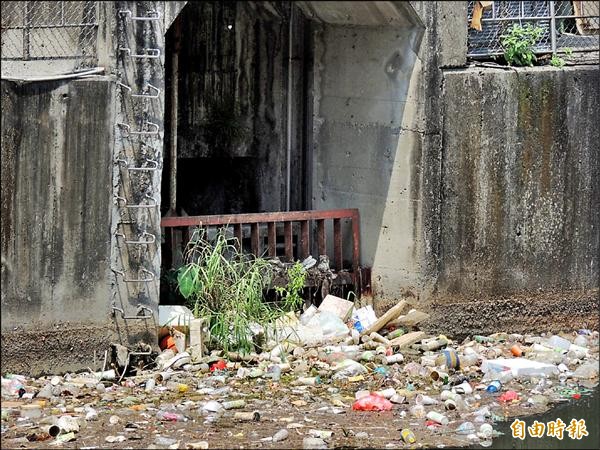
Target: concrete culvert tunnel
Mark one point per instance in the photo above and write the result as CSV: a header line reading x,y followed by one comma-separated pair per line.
x,y
279,106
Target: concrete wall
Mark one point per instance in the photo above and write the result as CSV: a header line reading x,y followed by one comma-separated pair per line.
x,y
378,136
362,77
521,207
56,203
56,197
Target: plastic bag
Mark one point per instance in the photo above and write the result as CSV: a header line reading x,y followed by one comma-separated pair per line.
x,y
330,324
372,402
348,368
509,396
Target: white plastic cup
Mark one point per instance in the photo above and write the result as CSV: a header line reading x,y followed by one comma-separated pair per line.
x,y
463,388
437,417
418,411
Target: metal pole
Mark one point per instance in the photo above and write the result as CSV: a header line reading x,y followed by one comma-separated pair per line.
x,y
553,27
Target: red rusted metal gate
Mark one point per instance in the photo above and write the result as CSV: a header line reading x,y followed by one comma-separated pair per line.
x,y
298,228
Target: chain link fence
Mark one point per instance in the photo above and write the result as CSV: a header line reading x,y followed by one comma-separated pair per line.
x,y
47,30
567,25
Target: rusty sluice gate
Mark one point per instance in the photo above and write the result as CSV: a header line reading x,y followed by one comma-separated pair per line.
x,y
300,231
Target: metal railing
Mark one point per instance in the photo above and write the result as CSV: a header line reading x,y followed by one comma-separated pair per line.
x,y
567,25
47,30
291,235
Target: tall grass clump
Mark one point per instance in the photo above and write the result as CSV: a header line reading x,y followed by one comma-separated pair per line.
x,y
226,287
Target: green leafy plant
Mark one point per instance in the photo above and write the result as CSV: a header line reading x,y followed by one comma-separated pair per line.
x,y
290,293
226,287
518,44
557,61
568,51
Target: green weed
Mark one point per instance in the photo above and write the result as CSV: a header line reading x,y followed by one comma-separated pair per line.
x,y
518,44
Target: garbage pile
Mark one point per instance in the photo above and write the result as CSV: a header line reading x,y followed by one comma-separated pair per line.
x,y
333,376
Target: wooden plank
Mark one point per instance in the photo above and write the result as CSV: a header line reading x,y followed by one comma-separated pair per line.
x,y
337,244
272,238
237,232
304,238
321,238
407,339
410,320
255,239
288,239
257,218
387,317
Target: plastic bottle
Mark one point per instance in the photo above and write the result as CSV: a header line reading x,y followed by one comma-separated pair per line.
x,y
425,400
494,386
394,334
393,359
234,404
449,395
466,428
434,344
308,381
558,342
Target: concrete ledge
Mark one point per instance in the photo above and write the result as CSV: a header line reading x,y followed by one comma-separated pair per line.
x,y
525,313
67,347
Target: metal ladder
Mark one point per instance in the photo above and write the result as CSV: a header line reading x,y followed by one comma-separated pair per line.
x,y
144,159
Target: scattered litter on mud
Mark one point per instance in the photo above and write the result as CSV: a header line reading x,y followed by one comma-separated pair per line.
x,y
332,377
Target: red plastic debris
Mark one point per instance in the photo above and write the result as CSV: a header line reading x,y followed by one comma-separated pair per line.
x,y
576,396
168,342
431,423
372,402
509,396
219,365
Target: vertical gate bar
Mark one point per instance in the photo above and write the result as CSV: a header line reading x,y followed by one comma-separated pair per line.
x,y
255,239
272,239
321,239
305,238
287,234
237,232
337,243
168,253
553,27
185,238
